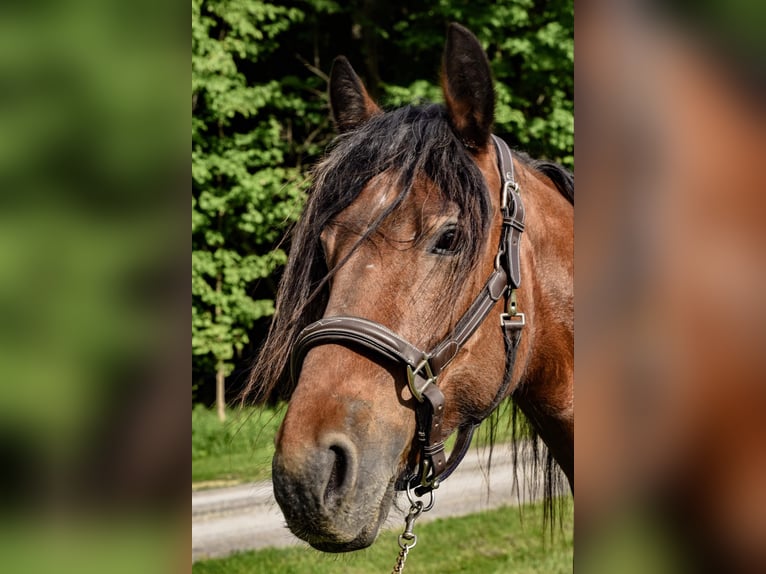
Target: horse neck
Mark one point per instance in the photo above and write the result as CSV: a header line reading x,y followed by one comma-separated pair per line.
x,y
546,296
547,265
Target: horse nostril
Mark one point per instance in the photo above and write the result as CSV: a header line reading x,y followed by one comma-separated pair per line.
x,y
342,473
337,474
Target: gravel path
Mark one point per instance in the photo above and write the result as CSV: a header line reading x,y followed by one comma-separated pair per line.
x,y
246,517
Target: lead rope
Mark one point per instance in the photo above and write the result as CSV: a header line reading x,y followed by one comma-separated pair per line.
x,y
408,539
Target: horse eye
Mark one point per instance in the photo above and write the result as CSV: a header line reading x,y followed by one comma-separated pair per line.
x,y
446,244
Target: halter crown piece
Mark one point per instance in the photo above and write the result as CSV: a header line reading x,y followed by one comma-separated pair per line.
x,y
424,368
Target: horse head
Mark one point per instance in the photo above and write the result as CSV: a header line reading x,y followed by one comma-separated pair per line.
x,y
401,230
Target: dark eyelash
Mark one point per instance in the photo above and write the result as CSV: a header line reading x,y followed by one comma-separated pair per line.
x,y
447,242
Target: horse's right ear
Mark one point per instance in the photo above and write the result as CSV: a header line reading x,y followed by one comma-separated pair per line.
x,y
350,103
468,89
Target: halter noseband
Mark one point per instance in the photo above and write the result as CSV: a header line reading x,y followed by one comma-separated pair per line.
x,y
423,368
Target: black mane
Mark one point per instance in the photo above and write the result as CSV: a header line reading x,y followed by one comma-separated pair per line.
x,y
561,177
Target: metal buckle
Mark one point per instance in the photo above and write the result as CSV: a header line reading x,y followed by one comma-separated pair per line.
x,y
424,483
516,321
424,480
512,318
509,185
426,469
429,377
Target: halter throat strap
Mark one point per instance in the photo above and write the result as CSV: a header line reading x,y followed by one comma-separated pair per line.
x,y
423,368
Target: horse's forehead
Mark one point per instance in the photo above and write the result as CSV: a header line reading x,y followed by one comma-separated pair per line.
x,y
380,192
423,201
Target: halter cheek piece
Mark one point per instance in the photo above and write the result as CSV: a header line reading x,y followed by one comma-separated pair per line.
x,y
424,368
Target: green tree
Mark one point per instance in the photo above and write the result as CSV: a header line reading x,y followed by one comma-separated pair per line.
x,y
244,188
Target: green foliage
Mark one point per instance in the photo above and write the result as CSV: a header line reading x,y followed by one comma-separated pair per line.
x,y
505,540
260,119
245,188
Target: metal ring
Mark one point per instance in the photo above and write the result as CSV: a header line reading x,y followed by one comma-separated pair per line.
x,y
429,377
412,497
405,545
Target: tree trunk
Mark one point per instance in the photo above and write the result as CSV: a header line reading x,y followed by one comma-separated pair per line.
x,y
220,373
220,392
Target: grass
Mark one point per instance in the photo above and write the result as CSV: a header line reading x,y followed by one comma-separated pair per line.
x,y
510,540
241,448
237,450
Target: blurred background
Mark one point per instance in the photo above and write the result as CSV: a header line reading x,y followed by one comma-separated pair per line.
x,y
93,276
671,271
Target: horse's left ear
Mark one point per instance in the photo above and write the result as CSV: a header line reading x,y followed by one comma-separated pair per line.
x,y
350,103
468,89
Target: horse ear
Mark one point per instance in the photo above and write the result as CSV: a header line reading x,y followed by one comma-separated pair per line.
x,y
468,89
350,103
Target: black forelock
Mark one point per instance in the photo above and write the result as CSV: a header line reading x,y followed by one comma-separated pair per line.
x,y
410,141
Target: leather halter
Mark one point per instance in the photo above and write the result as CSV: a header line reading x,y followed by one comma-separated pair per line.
x,y
423,368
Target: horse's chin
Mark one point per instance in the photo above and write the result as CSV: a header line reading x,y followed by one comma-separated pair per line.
x,y
365,539
338,540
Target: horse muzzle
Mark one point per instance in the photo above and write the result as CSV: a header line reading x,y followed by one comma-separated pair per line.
x,y
331,496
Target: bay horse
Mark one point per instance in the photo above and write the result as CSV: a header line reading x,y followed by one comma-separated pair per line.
x,y
409,213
